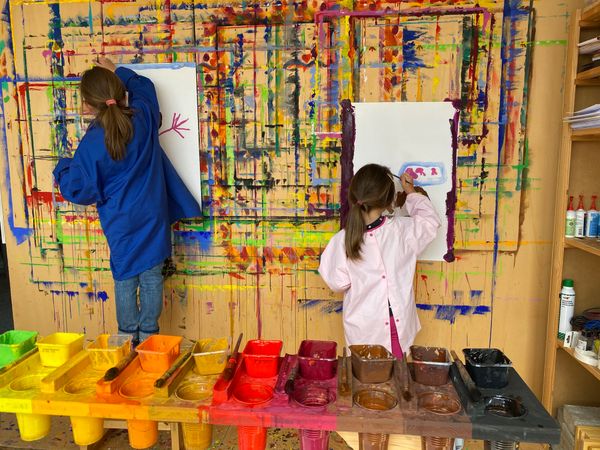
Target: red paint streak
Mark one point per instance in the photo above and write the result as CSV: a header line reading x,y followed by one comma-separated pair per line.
x,y
236,275
42,198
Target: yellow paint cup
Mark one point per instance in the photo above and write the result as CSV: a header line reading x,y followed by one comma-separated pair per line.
x,y
87,430
33,427
197,436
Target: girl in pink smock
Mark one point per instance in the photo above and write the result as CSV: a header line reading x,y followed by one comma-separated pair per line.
x,y
373,259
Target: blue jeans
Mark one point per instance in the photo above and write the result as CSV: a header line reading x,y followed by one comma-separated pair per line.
x,y
140,321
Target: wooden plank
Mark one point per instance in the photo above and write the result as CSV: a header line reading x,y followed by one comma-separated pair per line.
x,y
588,75
595,371
564,164
591,13
589,245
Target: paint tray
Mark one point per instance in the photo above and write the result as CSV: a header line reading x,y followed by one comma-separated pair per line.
x,y
14,344
317,359
371,363
108,349
210,355
262,358
489,367
431,365
56,349
158,352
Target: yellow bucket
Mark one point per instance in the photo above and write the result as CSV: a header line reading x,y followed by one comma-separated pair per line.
x,y
56,348
210,355
33,426
197,436
107,350
142,433
87,430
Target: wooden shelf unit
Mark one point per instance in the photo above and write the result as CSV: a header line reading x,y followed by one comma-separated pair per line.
x,y
566,379
595,371
589,245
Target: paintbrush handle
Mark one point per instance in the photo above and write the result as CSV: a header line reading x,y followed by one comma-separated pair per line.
x,y
114,372
474,392
176,365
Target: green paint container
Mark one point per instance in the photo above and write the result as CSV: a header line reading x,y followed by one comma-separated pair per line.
x,y
14,344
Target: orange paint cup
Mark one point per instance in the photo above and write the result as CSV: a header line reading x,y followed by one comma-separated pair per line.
x,y
142,433
252,438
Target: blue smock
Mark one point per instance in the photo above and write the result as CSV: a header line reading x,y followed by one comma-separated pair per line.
x,y
139,197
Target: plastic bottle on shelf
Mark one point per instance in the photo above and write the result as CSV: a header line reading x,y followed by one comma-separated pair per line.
x,y
567,307
591,220
580,219
570,225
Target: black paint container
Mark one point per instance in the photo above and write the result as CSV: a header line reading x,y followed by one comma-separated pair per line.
x,y
488,367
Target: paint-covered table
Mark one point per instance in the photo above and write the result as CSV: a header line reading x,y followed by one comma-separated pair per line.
x,y
77,390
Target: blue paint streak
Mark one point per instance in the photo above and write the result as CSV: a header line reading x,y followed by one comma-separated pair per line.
x,y
410,60
201,238
450,312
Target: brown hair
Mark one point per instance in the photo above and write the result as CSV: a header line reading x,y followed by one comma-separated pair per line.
x,y
371,187
105,92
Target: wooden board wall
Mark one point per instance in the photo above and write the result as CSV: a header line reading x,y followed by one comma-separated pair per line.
x,y
270,82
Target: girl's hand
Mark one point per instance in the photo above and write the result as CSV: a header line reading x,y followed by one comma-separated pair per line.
x,y
106,63
407,183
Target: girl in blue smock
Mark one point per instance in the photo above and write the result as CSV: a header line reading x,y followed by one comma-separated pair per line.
x,y
120,166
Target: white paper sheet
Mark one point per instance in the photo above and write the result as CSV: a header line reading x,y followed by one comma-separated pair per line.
x,y
415,136
176,90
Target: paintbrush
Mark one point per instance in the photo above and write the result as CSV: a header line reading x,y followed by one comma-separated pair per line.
x,y
289,384
405,379
180,361
344,388
474,393
232,362
114,372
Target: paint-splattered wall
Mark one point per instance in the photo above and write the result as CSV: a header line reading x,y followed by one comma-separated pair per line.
x,y
271,76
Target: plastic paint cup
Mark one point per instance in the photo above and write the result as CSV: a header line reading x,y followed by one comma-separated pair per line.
x,y
197,436
33,427
314,439
252,438
142,433
253,394
437,443
87,430
373,441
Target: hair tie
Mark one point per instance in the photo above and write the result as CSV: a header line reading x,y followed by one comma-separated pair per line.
x,y
110,101
359,202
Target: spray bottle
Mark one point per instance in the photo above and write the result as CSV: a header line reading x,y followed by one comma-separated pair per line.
x,y
570,225
580,219
592,218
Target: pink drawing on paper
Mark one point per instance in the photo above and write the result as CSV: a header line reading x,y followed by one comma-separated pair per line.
x,y
176,126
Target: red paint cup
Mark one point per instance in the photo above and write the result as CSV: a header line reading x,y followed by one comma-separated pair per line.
x,y
252,438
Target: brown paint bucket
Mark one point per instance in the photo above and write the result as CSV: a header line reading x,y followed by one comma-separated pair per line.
x,y
374,400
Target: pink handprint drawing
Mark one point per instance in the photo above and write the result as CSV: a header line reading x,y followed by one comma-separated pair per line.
x,y
176,126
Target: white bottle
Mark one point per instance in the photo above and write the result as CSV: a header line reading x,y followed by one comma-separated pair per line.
x,y
580,219
591,220
459,443
567,307
570,224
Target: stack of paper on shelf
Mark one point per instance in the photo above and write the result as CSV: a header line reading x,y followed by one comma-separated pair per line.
x,y
585,118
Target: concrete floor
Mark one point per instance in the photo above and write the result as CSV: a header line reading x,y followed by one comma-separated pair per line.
x,y
60,437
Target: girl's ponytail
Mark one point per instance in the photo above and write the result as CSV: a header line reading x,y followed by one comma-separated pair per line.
x,y
105,93
371,187
118,130
355,228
